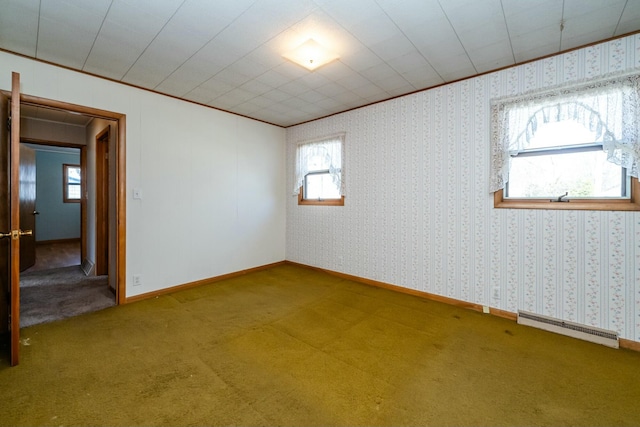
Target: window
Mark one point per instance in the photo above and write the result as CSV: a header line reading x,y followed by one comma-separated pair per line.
x,y
72,184
320,172
568,148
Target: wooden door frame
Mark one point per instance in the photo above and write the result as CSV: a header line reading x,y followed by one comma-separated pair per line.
x,y
102,201
120,159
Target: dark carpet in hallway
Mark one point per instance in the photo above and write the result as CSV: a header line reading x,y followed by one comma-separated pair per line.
x,y
48,295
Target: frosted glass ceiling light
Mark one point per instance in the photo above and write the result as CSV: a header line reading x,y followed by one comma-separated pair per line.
x,y
310,55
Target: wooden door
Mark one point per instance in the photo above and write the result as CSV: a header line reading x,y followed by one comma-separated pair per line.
x,y
10,218
102,203
27,206
5,225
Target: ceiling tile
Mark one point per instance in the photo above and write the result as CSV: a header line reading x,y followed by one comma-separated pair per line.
x,y
188,76
330,89
392,83
420,80
393,47
352,81
492,57
67,30
312,96
277,95
294,88
409,62
535,15
367,90
64,44
580,39
19,26
410,13
204,18
115,50
630,19
272,78
229,54
468,15
256,87
362,59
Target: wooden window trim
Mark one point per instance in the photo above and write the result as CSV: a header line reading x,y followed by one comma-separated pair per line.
x,y
322,202
630,204
65,188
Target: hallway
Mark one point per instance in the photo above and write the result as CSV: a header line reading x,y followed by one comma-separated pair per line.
x,y
56,287
55,255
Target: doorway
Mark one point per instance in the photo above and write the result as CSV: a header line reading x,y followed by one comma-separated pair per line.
x,y
10,106
101,242
53,284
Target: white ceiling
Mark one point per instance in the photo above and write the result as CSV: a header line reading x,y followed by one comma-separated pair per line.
x,y
228,53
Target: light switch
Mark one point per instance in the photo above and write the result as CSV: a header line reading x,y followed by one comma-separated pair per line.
x,y
137,194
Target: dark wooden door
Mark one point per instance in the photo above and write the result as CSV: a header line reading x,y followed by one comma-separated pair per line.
x,y
102,203
5,214
10,219
27,206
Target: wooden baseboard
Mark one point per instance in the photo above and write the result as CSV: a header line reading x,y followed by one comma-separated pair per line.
x,y
629,344
200,282
49,242
396,288
624,343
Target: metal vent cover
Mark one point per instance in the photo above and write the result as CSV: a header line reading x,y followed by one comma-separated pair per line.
x,y
575,330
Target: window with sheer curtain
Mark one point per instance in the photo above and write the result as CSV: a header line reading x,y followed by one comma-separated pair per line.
x,y
576,144
320,171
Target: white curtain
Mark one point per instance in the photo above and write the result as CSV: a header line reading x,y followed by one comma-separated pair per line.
x,y
608,107
318,155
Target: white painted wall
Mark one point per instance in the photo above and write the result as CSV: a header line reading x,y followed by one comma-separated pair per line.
x,y
418,212
213,183
51,131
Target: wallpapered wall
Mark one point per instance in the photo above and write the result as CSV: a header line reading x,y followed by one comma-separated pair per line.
x,y
418,212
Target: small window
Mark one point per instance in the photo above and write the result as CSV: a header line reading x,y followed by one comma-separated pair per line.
x,y
72,183
319,172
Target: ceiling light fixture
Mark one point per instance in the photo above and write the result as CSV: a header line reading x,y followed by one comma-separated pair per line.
x,y
311,55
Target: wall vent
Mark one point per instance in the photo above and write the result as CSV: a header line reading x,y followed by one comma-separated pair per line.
x,y
87,267
587,333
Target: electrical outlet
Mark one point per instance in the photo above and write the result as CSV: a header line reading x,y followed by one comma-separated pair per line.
x,y
496,292
137,280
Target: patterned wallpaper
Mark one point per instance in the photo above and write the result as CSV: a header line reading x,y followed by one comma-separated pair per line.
x,y
418,212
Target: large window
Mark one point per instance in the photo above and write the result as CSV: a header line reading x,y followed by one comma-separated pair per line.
x,y
568,148
72,184
320,172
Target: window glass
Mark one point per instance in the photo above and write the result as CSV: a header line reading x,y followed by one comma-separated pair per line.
x,y
320,172
562,160
72,183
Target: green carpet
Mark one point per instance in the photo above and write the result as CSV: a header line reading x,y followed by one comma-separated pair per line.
x,y
292,346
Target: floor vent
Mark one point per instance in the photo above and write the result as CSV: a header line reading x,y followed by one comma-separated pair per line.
x,y
587,333
87,267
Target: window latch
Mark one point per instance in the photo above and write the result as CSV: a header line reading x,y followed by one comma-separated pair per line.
x,y
559,199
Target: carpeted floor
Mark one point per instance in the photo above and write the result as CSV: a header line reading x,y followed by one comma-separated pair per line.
x,y
54,294
289,346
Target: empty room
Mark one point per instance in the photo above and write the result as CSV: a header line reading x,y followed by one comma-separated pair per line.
x,y
321,212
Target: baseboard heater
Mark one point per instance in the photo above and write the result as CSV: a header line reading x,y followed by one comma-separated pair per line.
x,y
575,330
87,266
